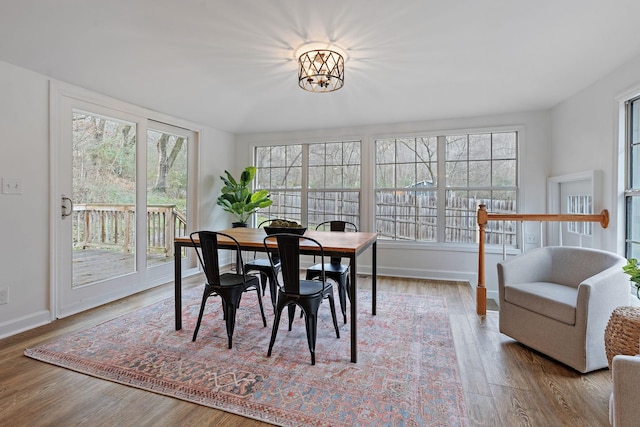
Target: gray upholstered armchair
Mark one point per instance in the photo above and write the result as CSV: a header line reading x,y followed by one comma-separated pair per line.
x,y
558,300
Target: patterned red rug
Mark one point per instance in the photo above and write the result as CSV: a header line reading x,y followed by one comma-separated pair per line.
x,y
406,372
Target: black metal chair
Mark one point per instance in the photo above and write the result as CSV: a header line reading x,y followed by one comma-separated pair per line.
x,y
267,272
229,286
335,270
307,294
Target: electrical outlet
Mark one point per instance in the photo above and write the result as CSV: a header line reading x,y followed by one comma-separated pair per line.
x,y
4,296
11,186
531,238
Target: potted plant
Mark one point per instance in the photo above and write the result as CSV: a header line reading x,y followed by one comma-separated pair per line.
x,y
633,270
238,199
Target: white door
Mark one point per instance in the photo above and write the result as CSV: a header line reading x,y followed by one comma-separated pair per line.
x,y
121,182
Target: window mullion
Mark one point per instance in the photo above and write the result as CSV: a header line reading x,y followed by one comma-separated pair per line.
x,y
441,188
304,190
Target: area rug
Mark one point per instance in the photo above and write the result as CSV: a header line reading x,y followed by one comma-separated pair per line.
x,y
406,373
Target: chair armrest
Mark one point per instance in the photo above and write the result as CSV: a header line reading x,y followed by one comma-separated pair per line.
x,y
599,295
626,389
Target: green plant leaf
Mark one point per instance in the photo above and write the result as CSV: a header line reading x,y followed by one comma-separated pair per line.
x,y
236,197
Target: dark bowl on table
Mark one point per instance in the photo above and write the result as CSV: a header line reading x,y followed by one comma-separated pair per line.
x,y
291,230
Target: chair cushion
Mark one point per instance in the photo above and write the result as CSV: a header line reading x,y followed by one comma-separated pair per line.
x,y
311,287
232,279
549,299
329,268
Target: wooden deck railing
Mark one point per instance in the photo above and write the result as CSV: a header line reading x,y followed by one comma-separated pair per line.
x,y
484,217
112,226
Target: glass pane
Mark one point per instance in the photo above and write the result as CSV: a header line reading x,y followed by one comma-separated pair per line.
x,y
263,157
385,214
351,152
263,178
286,205
633,219
385,151
504,173
352,177
333,153
385,176
333,205
278,156
480,174
333,177
316,177
457,174
406,175
405,151
166,194
456,147
426,175
459,217
635,122
635,167
504,145
104,190
278,177
316,154
480,147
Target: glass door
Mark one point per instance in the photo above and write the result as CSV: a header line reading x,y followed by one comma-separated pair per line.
x,y
167,192
121,185
104,198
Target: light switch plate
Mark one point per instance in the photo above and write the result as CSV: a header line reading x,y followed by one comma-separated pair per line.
x,y
11,186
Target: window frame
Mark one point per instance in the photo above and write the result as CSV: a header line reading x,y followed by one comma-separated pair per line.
x,y
441,187
630,192
304,189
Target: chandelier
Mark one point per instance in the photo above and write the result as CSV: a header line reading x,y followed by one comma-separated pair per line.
x,y
320,70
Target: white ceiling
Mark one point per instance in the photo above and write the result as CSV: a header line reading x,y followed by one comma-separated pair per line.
x,y
229,63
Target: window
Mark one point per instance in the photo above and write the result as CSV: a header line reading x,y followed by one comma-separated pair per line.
x,y
579,204
632,191
429,188
317,182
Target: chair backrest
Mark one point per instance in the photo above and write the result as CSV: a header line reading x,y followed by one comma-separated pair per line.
x,y
289,256
337,225
207,251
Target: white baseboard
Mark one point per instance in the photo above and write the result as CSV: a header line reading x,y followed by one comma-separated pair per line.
x,y
21,324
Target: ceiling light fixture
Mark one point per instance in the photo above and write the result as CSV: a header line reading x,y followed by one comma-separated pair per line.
x,y
320,69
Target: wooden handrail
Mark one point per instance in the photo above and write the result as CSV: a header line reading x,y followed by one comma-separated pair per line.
x,y
484,217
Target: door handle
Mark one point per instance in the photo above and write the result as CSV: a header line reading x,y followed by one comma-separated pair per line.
x,y
66,211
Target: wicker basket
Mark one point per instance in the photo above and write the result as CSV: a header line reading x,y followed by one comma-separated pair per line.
x,y
622,334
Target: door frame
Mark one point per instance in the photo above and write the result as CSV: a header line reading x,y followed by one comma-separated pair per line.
x,y
59,94
594,177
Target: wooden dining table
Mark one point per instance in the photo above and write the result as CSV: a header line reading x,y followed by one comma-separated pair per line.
x,y
335,244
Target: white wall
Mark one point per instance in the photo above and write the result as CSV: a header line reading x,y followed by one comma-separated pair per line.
x,y
25,218
429,260
585,135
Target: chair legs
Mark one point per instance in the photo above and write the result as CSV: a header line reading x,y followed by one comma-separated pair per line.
x,y
268,277
310,309
205,295
343,288
230,303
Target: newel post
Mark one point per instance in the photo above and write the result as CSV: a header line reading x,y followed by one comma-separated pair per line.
x,y
481,290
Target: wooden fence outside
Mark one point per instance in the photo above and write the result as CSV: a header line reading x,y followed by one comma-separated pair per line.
x,y
403,215
111,226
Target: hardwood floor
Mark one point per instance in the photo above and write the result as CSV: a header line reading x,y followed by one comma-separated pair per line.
x,y
505,384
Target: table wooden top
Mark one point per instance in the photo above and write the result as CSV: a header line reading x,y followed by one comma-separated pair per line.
x,y
332,241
